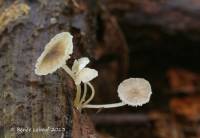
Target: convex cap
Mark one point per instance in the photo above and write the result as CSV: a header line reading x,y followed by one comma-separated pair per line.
x,y
134,91
55,54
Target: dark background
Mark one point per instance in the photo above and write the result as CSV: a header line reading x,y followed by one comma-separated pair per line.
x,y
163,39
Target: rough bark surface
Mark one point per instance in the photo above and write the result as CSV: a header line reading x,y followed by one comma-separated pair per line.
x,y
30,101
27,100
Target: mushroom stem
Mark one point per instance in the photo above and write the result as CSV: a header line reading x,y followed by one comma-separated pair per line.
x,y
104,105
78,87
84,94
68,70
92,94
78,95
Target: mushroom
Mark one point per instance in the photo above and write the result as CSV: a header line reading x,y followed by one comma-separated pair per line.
x,y
81,73
79,64
132,91
84,75
55,54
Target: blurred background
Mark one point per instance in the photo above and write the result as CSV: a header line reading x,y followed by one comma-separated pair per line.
x,y
163,39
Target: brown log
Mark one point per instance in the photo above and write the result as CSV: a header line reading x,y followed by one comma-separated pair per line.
x,y
28,101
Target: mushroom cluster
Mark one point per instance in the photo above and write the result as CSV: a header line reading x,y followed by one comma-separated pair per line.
x,y
132,91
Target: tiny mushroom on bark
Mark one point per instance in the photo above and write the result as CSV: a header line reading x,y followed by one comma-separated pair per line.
x,y
81,73
79,64
84,75
132,91
55,54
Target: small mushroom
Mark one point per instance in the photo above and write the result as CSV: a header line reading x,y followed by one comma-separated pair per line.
x,y
84,75
55,54
79,64
132,91
81,73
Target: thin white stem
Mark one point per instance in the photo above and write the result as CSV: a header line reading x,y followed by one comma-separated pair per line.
x,y
84,94
92,93
78,95
78,87
68,70
104,105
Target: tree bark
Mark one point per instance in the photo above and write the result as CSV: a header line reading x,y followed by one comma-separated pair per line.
x,y
27,100
30,102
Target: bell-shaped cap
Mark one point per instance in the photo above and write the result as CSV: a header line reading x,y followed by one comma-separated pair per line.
x,y
79,64
85,75
134,91
55,54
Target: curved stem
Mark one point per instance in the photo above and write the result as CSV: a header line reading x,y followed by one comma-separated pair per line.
x,y
78,95
104,105
68,70
92,94
84,94
78,87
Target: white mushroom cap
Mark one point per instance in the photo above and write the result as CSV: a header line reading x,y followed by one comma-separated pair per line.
x,y
80,64
134,91
55,54
85,75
